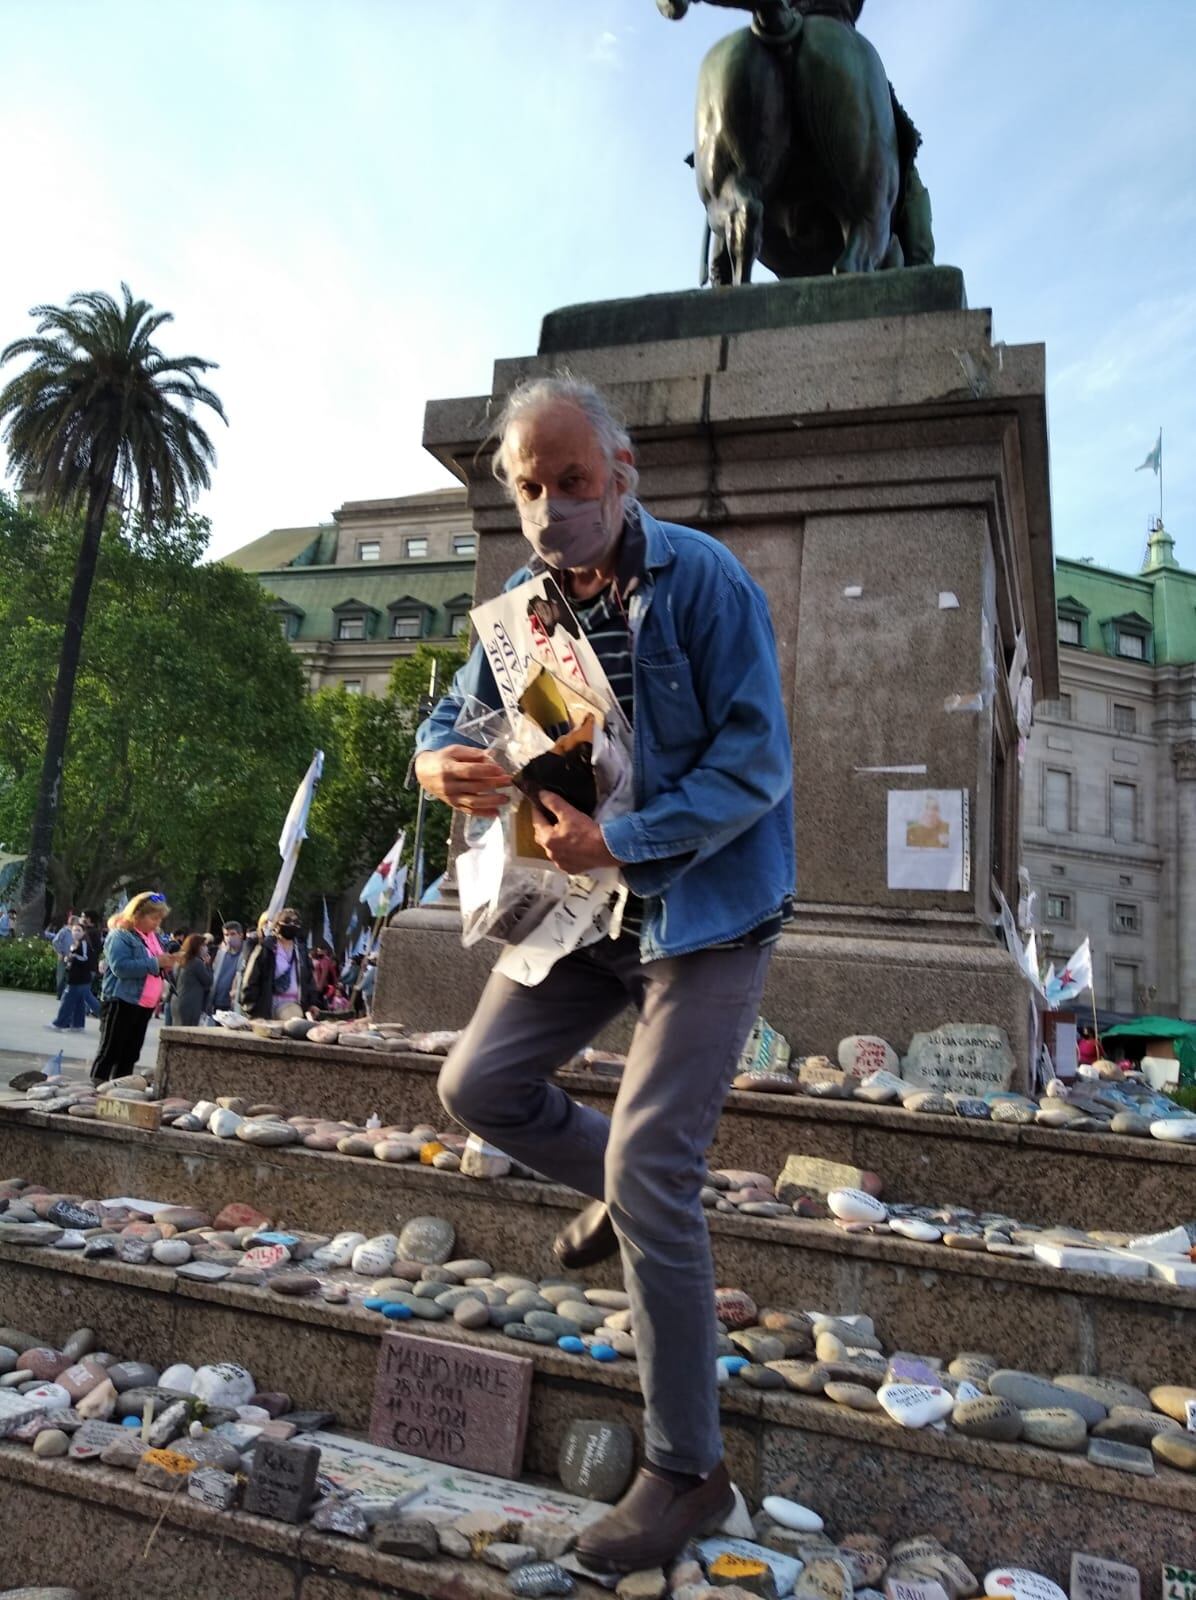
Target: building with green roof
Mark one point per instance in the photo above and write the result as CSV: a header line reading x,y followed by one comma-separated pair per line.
x,y
381,578
1109,808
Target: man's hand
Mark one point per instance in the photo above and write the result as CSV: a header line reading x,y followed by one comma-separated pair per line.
x,y
574,842
465,778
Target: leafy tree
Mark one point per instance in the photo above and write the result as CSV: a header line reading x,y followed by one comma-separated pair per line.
x,y
99,411
191,723
363,802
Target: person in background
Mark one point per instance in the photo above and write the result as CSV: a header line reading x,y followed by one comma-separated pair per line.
x,y
323,966
91,928
192,983
278,983
1088,1049
62,942
133,983
224,967
5,923
81,966
368,983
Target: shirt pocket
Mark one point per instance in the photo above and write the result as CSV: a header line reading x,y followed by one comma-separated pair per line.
x,y
670,704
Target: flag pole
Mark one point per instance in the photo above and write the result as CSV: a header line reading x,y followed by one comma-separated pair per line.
x,y
1160,474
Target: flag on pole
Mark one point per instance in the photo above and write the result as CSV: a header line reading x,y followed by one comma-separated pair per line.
x,y
294,831
327,926
380,886
1075,977
1155,459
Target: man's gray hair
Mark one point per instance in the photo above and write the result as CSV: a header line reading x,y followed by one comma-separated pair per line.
x,y
562,388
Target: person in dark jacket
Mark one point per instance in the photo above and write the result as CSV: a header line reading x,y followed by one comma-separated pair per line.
x,y
225,965
192,983
278,984
82,964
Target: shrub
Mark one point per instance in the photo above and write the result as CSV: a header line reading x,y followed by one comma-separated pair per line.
x,y
27,964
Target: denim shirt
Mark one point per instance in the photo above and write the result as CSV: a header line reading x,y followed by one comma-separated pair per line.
x,y
129,964
709,844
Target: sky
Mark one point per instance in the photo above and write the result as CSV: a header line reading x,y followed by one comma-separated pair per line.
x,y
355,206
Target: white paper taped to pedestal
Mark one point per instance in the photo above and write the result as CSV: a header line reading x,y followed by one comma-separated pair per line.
x,y
927,845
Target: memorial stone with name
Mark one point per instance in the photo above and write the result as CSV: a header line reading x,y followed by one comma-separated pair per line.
x,y
1093,1578
282,1479
969,1058
1179,1583
453,1403
596,1459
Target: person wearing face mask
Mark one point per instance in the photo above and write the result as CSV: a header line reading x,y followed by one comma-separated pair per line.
x,y
224,966
707,852
277,984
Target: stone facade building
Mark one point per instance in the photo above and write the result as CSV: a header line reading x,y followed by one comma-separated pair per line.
x,y
381,578
1109,811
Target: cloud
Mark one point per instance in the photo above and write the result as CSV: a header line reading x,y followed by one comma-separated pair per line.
x,y
605,50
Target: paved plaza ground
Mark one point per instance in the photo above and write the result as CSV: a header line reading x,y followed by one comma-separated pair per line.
x,y
26,1041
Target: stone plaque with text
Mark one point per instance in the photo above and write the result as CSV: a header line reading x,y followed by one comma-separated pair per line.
x,y
970,1058
452,1403
1093,1578
282,1479
133,1113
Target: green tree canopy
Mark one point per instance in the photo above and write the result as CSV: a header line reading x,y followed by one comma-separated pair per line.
x,y
363,801
191,725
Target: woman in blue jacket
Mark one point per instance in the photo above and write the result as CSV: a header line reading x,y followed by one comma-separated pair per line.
x,y
135,961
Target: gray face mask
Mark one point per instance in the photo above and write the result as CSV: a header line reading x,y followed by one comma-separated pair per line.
x,y
568,533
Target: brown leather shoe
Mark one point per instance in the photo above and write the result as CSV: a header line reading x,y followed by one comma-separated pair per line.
x,y
654,1521
588,1239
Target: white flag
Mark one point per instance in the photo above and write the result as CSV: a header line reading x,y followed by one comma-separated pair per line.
x,y
1075,977
294,831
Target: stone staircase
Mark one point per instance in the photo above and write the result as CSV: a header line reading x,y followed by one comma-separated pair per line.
x,y
991,1502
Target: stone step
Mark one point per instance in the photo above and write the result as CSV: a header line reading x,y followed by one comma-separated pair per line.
x,y
992,1503
97,1528
922,1296
1104,1180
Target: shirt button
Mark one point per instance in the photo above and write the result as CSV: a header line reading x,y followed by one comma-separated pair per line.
x,y
673,685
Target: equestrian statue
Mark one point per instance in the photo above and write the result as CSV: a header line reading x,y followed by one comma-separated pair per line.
x,y
803,155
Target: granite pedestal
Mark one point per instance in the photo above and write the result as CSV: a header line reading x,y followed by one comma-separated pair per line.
x,y
880,466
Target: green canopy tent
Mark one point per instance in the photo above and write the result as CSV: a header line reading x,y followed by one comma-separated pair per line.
x,y
1181,1034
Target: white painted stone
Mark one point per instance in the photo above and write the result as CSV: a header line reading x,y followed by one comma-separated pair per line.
x,y
915,1228
883,1087
1175,1130
1019,1583
49,1397
224,1123
866,1053
373,1258
968,1391
179,1377
853,1205
338,1252
1162,1246
1180,1273
792,1515
223,1383
737,1524
914,1405
1116,1263
204,1109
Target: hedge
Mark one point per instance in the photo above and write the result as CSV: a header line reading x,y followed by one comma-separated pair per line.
x,y
27,964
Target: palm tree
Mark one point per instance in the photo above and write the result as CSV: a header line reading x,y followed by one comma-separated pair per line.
x,y
99,412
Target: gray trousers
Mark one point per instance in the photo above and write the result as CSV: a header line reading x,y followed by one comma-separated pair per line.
x,y
647,1161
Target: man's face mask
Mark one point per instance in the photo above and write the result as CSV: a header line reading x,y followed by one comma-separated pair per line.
x,y
568,533
289,930
234,941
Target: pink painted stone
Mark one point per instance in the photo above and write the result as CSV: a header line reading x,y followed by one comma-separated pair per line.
x,y
734,1309
82,1378
45,1364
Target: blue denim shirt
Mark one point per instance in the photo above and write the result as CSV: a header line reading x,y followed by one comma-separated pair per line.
x,y
129,964
709,845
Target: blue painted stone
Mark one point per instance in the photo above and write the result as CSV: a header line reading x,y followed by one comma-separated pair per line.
x,y
375,1302
603,1352
130,1422
395,1311
733,1364
284,1239
572,1344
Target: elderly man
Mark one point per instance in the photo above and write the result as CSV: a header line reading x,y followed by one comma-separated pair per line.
x,y
707,852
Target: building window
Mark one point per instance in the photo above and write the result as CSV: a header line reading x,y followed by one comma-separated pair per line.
x,y
1126,880
285,624
369,550
1125,984
1125,719
415,549
458,624
407,625
1057,871
1058,801
1123,808
1131,645
351,628
1069,630
1059,709
1126,917
352,685
1058,907
465,544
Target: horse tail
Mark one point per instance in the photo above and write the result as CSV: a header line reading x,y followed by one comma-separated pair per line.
x,y
704,270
